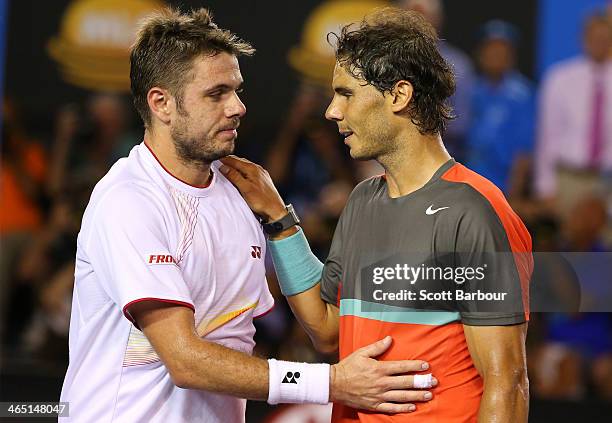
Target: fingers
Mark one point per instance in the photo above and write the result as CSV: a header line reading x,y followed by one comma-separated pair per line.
x,y
400,401
234,176
237,162
390,408
408,381
400,396
404,366
377,348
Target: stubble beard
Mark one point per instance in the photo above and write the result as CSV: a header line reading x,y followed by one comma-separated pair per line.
x,y
371,148
364,149
194,150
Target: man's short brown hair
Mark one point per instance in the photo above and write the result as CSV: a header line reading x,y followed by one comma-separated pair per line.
x,y
166,44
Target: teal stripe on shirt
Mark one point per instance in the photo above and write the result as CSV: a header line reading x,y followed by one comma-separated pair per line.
x,y
394,314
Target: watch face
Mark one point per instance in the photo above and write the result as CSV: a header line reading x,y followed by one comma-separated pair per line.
x,y
277,226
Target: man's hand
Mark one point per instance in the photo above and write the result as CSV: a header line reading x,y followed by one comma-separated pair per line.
x,y
194,363
255,186
362,382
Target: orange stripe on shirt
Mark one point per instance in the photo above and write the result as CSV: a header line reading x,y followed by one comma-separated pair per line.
x,y
518,235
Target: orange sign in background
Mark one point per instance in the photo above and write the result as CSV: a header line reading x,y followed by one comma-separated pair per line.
x,y
92,47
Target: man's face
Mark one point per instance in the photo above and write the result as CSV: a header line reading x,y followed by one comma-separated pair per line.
x,y
598,40
362,115
496,57
205,127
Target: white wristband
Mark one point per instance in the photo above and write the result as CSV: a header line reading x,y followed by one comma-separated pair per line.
x,y
298,383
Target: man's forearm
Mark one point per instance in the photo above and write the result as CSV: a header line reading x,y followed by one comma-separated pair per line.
x,y
505,400
318,318
211,367
358,380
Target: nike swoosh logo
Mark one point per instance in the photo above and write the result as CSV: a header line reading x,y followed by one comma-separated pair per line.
x,y
431,211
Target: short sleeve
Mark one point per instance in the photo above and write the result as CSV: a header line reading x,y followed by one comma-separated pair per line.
x,y
129,249
490,292
331,279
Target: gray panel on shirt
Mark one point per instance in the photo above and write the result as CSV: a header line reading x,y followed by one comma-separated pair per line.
x,y
424,243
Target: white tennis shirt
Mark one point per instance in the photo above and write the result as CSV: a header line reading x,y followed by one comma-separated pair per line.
x,y
146,234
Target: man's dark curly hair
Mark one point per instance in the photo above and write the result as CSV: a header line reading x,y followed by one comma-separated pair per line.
x,y
391,45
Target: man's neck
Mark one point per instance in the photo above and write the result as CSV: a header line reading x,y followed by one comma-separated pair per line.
x,y
195,174
413,164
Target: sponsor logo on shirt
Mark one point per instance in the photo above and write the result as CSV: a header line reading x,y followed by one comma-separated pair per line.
x,y
161,259
255,251
430,210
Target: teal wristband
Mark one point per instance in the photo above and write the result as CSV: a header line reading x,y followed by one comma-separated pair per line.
x,y
297,268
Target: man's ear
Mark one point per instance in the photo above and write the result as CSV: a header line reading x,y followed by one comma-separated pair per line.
x,y
401,94
161,103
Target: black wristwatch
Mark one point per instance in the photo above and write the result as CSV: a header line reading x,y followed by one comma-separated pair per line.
x,y
285,222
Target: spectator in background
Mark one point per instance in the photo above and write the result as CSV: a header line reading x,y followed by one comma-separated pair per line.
x,y
577,350
308,151
574,143
500,136
88,142
47,267
38,248
23,195
454,138
308,160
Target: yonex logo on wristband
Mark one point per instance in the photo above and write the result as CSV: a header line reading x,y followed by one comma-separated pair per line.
x,y
298,383
291,377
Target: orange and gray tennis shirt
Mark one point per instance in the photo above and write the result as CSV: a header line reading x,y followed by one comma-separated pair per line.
x,y
418,268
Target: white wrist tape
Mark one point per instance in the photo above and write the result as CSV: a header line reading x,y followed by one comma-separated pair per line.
x,y
298,383
423,381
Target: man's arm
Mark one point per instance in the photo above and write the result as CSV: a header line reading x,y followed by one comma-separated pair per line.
x,y
499,355
318,318
193,363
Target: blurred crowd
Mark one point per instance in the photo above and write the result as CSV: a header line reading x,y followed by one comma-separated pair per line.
x,y
546,145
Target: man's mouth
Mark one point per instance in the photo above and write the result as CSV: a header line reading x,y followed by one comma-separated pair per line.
x,y
230,130
346,134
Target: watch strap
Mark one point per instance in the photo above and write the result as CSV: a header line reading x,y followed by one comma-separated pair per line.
x,y
285,222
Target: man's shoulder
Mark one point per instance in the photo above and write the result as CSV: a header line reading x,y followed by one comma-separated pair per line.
x,y
566,69
125,188
367,188
472,194
519,87
479,202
